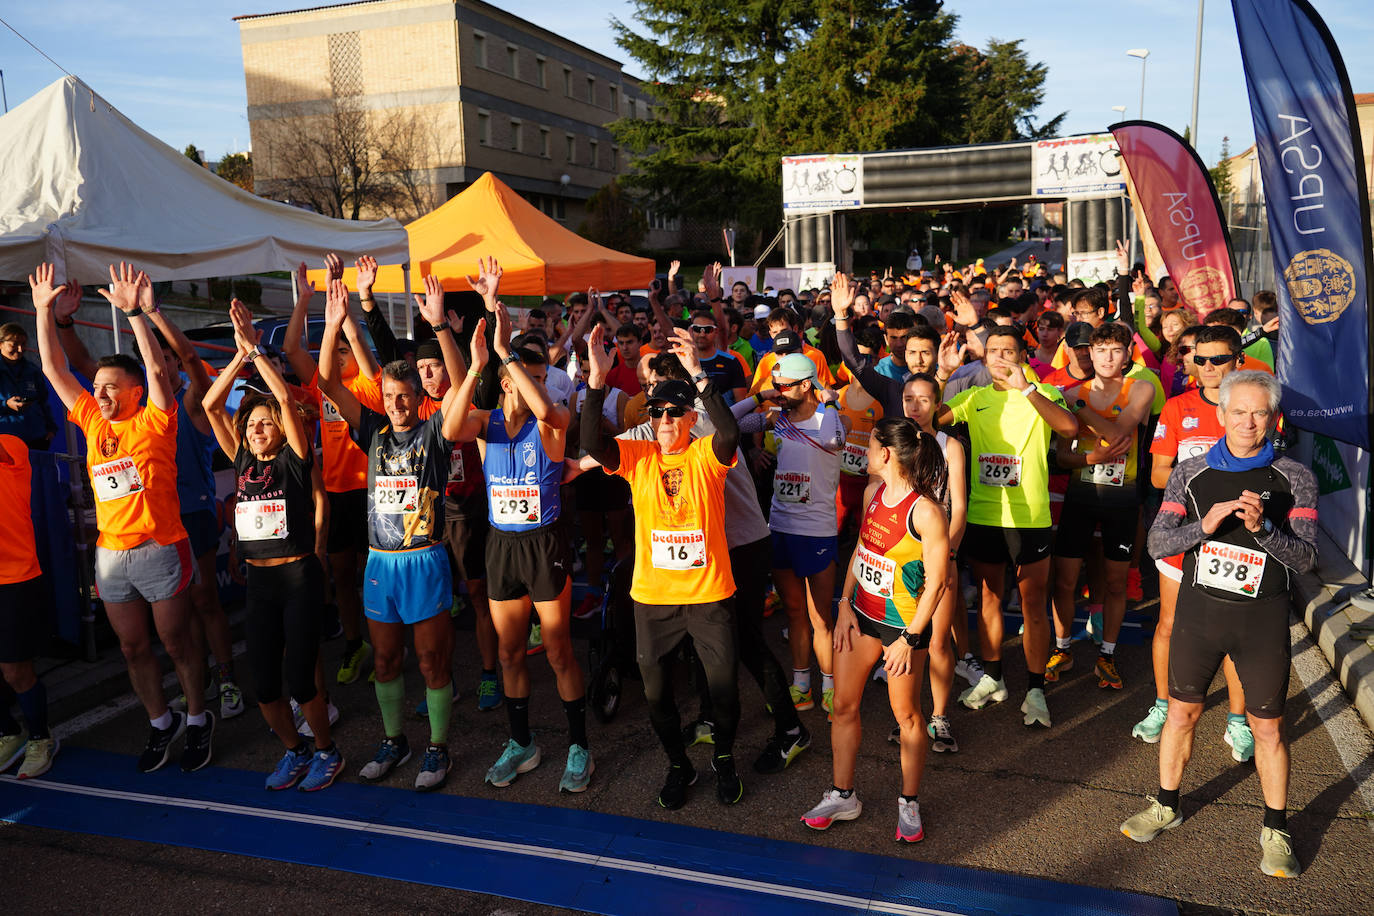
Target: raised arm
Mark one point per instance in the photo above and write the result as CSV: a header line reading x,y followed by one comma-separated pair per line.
x,y
50,351
599,304
487,283
365,358
247,339
335,313
716,296
725,440
432,311
191,362
293,346
606,451
213,405
575,330
461,423
124,294
383,337
67,304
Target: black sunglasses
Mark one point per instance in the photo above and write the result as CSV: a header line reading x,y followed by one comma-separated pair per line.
x,y
783,386
702,328
675,412
1184,351
1214,360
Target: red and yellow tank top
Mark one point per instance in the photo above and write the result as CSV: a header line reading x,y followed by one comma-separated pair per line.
x,y
889,562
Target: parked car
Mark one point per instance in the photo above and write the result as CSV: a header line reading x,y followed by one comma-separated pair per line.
x,y
221,334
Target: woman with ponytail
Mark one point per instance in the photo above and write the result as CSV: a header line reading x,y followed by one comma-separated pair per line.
x,y
894,584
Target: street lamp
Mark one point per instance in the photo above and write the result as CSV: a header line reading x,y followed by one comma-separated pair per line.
x,y
1141,53
1120,109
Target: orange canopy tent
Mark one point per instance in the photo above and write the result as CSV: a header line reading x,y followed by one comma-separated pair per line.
x,y
536,254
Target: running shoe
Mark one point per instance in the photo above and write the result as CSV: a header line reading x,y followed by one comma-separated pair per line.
x,y
1149,728
159,747
771,602
1241,740
303,727
12,748
984,692
781,750
535,643
729,787
1107,675
1034,709
488,693
289,770
673,795
1060,661
422,707
513,761
698,732
590,606
577,774
38,757
828,701
325,767
230,700
433,768
833,807
801,699
880,673
970,669
198,750
1278,861
352,665
909,829
895,736
1095,626
391,753
941,738
1151,822
1134,591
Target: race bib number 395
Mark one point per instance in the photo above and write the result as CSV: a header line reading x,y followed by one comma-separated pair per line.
x,y
1110,474
115,479
999,470
515,505
678,549
1230,568
394,495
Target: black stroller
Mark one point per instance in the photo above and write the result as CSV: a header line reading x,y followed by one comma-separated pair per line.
x,y
611,648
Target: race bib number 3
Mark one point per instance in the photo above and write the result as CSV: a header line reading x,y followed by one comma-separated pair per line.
x,y
678,549
260,520
999,470
1111,474
116,479
1230,568
515,505
875,572
854,458
792,487
394,495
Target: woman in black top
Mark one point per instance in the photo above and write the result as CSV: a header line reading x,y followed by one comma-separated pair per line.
x,y
276,524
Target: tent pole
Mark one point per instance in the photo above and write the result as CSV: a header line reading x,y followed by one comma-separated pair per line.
x,y
410,312
390,311
114,325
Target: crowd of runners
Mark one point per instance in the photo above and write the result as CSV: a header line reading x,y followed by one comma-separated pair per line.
x,y
873,459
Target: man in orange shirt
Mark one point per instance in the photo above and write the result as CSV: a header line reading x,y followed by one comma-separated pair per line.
x,y
682,582
142,556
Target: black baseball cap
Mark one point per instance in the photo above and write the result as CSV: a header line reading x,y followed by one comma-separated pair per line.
x,y
1078,334
787,342
674,392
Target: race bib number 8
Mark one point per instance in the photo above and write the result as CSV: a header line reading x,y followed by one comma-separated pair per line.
x,y
260,519
999,470
1111,474
515,505
115,479
792,487
1230,568
854,458
875,572
395,495
678,549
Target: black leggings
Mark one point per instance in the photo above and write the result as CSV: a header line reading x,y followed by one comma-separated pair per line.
x,y
750,563
285,616
658,631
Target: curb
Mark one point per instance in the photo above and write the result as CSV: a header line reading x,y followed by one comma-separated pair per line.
x,y
1322,597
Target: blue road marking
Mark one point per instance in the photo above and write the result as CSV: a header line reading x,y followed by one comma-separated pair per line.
x,y
545,855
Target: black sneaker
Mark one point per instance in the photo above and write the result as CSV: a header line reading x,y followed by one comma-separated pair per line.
x,y
674,792
781,750
197,752
159,747
729,788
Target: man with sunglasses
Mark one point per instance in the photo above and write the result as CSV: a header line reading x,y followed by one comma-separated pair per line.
x,y
1189,427
725,368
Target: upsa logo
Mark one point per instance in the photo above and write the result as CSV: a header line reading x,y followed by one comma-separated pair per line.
x,y
1205,289
1321,284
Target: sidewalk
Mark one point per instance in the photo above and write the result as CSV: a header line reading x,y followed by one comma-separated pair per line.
x,y
1344,632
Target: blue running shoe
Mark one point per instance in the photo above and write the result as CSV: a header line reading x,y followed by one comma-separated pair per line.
x,y
325,766
290,769
578,773
488,693
513,761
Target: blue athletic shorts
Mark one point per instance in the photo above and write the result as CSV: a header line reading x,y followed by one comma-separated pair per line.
x,y
407,586
804,555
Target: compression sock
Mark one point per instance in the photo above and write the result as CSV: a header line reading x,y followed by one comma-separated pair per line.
x,y
576,711
1063,642
1275,818
440,704
391,699
801,679
1168,797
1108,649
993,669
518,711
34,704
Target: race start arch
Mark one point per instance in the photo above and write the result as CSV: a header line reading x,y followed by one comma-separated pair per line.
x,y
1085,171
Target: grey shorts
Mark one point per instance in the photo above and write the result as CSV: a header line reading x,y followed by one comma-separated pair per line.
x,y
149,571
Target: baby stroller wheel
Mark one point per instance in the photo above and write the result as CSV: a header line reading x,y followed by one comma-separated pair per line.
x,y
605,692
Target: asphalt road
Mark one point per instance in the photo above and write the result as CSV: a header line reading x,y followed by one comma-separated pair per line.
x,y
1035,802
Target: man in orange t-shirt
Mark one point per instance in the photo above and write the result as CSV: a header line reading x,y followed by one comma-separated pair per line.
x,y
142,555
682,582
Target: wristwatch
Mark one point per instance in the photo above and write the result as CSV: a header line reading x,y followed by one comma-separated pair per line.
x,y
912,639
1267,527
510,358
436,328
699,378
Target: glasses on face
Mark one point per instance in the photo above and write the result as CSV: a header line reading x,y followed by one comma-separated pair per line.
x,y
1221,360
657,411
783,386
1085,314
1184,351
703,329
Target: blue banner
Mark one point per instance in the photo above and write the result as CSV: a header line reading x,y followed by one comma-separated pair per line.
x,y
1318,205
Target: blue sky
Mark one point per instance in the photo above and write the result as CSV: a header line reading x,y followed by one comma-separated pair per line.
x,y
176,68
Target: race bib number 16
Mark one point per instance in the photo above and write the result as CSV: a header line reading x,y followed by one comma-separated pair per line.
x,y
678,549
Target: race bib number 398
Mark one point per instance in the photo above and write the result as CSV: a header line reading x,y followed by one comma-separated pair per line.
x,y
1230,568
115,479
394,495
515,505
999,470
678,549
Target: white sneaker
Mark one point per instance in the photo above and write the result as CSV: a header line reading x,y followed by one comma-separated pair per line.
x,y
303,727
833,807
1034,709
984,692
970,669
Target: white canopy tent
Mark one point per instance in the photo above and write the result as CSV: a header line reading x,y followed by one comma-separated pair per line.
x,y
82,186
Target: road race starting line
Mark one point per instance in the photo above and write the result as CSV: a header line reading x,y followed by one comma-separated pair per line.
x,y
568,858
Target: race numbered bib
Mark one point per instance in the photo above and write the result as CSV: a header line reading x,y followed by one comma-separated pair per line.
x,y
328,412
875,572
792,486
260,519
999,470
678,550
1230,568
456,472
515,505
1111,474
115,479
1191,448
395,495
854,458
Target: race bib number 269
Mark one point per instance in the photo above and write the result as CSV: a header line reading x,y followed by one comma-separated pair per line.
x,y
999,470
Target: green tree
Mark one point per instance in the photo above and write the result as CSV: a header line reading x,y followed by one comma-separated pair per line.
x,y
237,168
614,220
193,154
1221,172
1003,89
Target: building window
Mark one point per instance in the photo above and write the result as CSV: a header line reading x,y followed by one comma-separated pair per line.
x,y
516,135
558,211
567,81
615,159
540,76
571,154
615,100
484,128
591,90
632,108
544,142
479,48
512,61
591,155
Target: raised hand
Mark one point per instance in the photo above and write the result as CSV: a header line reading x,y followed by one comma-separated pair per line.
x,y
673,268
503,330
950,356
146,303
334,265
455,322
123,291
1123,258
431,304
487,281
367,273
335,304
841,294
1138,286
305,287
68,301
685,349
40,284
478,349
964,312
245,335
599,361
710,278
594,298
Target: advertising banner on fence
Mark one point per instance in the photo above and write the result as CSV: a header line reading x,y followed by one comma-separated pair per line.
x,y
812,184
1318,202
1175,196
1086,166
